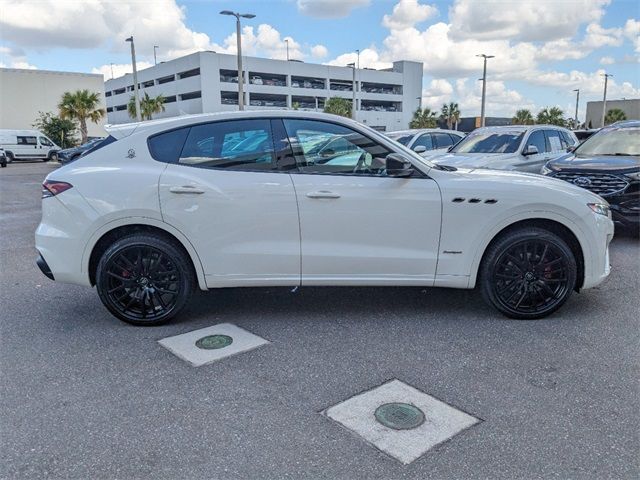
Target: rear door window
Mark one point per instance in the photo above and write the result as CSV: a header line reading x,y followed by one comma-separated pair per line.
x,y
24,140
554,141
423,140
442,140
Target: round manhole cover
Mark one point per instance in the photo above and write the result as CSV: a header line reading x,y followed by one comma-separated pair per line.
x,y
399,416
213,342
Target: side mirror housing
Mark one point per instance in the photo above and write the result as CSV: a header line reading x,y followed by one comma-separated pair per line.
x,y
530,150
420,149
398,166
571,149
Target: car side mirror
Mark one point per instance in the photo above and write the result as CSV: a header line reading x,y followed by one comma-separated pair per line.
x,y
530,150
571,149
420,149
398,166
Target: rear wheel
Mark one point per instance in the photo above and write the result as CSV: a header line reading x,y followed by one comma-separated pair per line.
x,y
144,279
528,273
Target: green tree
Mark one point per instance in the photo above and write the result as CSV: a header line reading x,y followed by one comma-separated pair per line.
x,y
148,106
551,116
614,115
295,105
523,117
450,114
338,106
423,118
81,105
59,130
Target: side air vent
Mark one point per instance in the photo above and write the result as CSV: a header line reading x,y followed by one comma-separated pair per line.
x,y
458,200
491,200
474,200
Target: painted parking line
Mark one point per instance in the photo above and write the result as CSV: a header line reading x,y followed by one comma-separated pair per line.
x,y
400,420
211,344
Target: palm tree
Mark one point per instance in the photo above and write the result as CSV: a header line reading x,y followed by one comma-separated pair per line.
x,y
338,106
523,117
80,106
450,114
148,106
423,118
551,116
614,115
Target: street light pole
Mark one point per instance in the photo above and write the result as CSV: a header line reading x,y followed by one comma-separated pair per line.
x,y
353,88
135,79
155,60
111,70
484,85
575,125
239,39
604,98
358,63
286,40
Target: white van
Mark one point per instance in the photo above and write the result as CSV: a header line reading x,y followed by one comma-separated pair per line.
x,y
27,145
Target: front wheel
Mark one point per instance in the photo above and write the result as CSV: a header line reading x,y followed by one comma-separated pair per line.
x,y
144,279
528,273
53,157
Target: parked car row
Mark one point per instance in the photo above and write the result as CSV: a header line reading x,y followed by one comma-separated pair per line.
x,y
427,142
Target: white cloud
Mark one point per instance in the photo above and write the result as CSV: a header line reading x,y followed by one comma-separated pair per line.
x,y
369,58
588,83
319,51
525,20
14,58
598,37
329,8
631,31
265,41
439,92
607,61
407,13
119,69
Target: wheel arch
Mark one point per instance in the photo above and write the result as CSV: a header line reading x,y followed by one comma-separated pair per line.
x,y
553,225
105,236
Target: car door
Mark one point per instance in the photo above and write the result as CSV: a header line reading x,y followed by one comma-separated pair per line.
x,y
533,163
27,147
358,225
556,144
223,190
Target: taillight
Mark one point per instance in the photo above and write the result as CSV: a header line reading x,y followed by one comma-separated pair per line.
x,y
51,188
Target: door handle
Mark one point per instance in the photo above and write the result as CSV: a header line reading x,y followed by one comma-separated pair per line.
x,y
186,189
323,194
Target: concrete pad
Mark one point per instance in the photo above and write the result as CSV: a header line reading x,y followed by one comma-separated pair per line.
x,y
442,421
184,345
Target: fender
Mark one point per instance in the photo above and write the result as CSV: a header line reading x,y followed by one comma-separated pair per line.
x,y
526,215
153,222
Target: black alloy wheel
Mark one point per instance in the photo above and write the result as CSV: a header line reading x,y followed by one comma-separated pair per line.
x,y
144,279
528,273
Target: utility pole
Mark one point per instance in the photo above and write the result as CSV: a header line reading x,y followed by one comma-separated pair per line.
x,y
604,98
576,123
484,85
135,79
353,88
286,40
111,70
358,63
155,60
239,39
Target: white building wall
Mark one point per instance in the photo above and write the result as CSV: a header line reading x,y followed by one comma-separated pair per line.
x,y
24,93
405,76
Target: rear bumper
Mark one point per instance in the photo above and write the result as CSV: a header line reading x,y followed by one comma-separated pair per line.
x,y
44,267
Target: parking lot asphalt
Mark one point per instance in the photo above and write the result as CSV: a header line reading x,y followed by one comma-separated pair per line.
x,y
86,396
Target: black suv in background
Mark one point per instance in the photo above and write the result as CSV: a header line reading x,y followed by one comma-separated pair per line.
x,y
608,164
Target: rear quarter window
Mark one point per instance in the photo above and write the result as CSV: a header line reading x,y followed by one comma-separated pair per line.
x,y
166,147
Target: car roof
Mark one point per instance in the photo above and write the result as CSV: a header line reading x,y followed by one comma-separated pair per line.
x,y
517,128
416,131
625,124
155,126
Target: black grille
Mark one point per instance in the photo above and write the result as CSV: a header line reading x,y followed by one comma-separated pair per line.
x,y
600,183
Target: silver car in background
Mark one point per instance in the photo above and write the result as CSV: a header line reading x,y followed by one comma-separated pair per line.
x,y
525,148
427,141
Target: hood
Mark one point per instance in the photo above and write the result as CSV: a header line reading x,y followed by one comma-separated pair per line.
x,y
620,163
471,160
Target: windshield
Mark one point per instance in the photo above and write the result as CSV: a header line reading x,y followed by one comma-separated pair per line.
x,y
618,141
489,142
403,138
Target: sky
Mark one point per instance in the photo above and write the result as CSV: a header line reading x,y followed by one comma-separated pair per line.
x,y
544,49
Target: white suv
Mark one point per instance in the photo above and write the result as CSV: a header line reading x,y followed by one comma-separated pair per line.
x,y
514,147
248,199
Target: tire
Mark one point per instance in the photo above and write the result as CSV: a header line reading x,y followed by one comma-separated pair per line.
x,y
3,162
9,157
145,279
53,157
528,273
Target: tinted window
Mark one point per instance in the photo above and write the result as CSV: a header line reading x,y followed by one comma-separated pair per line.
x,y
27,141
455,138
537,139
423,140
555,143
321,147
403,139
166,147
488,142
568,141
242,144
45,141
443,140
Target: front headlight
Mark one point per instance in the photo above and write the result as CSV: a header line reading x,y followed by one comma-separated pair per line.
x,y
633,176
600,208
